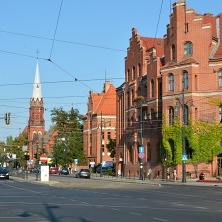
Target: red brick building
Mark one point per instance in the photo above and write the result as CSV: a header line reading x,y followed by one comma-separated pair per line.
x,y
99,124
36,123
139,105
185,67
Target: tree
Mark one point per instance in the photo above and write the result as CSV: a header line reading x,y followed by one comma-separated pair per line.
x,y
69,141
111,146
203,141
14,146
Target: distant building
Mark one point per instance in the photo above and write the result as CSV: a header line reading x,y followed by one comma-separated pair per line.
x,y
36,123
99,124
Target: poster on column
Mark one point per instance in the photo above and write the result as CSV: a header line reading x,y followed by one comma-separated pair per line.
x,y
44,173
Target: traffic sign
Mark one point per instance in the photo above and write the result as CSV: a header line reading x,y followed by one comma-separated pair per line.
x,y
76,161
141,149
43,158
141,155
184,157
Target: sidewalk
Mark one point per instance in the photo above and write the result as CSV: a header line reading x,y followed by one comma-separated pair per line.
x,y
156,182
159,182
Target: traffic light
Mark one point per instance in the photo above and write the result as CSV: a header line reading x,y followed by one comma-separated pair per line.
x,y
35,155
7,118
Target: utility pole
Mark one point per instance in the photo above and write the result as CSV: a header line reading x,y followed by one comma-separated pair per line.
x,y
101,145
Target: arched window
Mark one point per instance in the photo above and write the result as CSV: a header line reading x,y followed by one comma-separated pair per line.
x,y
171,82
134,73
145,91
132,97
171,115
185,80
186,115
128,99
173,52
128,75
152,88
139,69
131,154
220,78
188,48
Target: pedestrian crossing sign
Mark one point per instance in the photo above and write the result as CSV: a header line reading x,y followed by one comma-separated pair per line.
x,y
184,157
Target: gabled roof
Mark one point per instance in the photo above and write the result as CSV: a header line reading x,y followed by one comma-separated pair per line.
x,y
157,43
186,61
104,102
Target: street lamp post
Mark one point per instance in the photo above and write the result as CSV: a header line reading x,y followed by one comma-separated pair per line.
x,y
141,133
64,139
183,136
182,103
101,145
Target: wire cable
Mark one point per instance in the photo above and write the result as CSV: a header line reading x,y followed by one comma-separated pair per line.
x,y
53,41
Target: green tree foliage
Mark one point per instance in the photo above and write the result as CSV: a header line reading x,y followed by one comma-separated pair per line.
x,y
111,146
69,141
203,141
14,146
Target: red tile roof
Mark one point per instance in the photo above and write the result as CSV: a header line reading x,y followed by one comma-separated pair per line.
x,y
156,43
105,102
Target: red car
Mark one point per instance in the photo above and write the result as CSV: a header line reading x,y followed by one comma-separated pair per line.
x,y
53,170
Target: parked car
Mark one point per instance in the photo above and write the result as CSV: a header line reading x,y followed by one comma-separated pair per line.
x,y
4,173
53,170
64,171
35,170
83,173
104,169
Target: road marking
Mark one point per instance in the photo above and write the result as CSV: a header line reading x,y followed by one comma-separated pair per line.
x,y
135,214
115,209
156,218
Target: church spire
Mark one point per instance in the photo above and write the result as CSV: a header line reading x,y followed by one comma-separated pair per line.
x,y
37,90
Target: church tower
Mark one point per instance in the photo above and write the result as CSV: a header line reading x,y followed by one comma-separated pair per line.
x,y
36,123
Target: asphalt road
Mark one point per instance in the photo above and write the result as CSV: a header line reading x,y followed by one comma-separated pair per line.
x,y
98,200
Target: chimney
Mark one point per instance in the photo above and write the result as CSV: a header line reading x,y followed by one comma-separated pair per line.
x,y
106,86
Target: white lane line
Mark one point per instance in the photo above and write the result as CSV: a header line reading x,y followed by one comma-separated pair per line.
x,y
115,209
135,214
159,219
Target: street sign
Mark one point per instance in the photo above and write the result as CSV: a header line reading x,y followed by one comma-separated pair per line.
x,y
141,149
43,158
141,155
184,157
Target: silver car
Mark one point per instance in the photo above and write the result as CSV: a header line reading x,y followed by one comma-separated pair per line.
x,y
83,173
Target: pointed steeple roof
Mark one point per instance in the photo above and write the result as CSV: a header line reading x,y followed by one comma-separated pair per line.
x,y
37,89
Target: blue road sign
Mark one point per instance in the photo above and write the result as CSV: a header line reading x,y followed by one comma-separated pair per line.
x,y
184,157
141,149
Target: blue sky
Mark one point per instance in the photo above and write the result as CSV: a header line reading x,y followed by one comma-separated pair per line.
x,y
91,38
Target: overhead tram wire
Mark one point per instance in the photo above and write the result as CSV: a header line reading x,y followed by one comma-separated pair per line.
x,y
55,82
63,41
75,79
53,41
158,23
49,60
